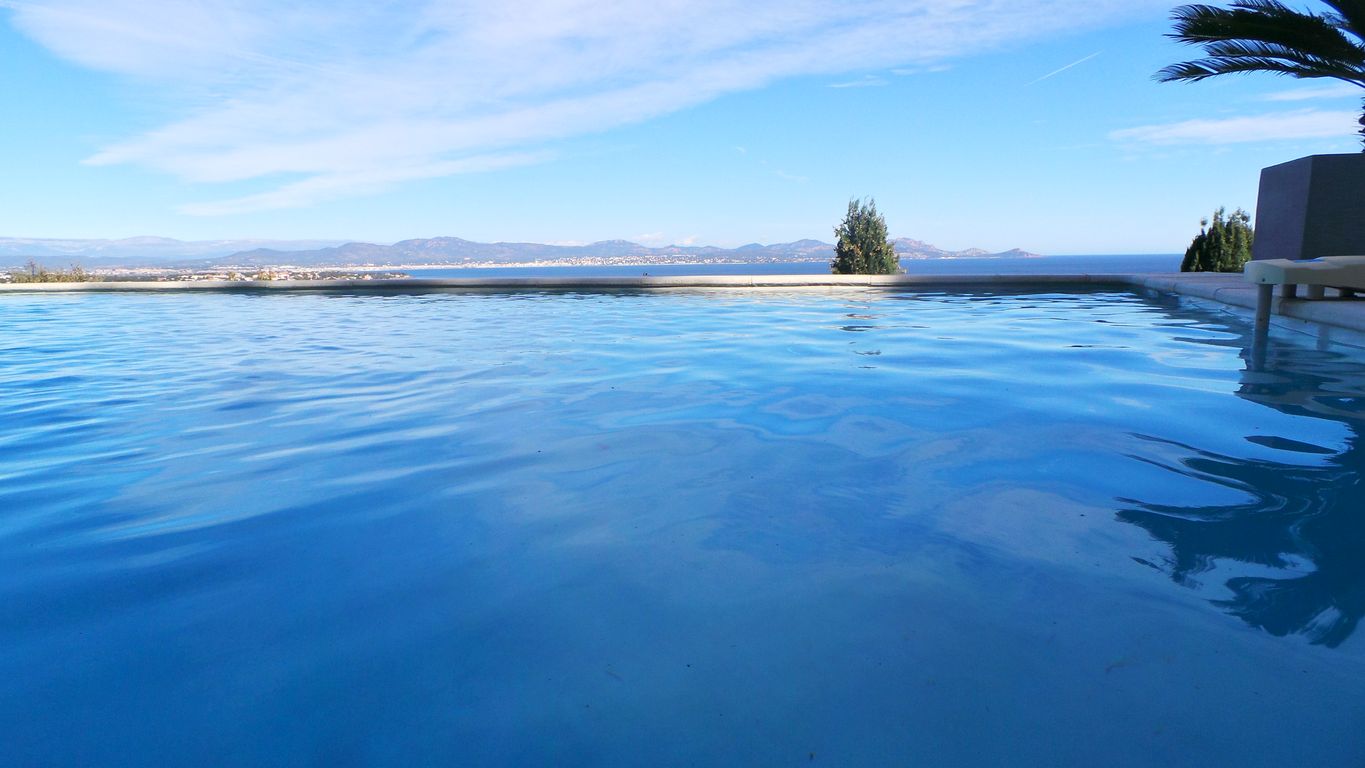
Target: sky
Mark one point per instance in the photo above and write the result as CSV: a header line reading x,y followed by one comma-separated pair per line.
x,y
973,123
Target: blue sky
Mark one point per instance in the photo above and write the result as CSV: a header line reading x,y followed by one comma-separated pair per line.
x,y
1032,123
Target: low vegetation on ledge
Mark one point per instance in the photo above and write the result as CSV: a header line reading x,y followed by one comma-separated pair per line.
x,y
35,273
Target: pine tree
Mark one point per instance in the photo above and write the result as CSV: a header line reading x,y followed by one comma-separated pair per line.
x,y
862,247
1191,260
1217,245
1239,242
1221,246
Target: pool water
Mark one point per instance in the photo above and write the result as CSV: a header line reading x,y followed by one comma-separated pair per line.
x,y
839,527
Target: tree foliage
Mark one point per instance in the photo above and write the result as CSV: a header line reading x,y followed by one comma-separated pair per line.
x,y
1223,246
1268,36
862,247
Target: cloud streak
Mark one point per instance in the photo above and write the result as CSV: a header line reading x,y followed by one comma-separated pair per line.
x,y
869,81
1275,126
318,100
1334,91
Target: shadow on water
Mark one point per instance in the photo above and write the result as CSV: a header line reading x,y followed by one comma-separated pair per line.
x,y
1305,519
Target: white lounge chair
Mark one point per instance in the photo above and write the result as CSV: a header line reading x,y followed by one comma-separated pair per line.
x,y
1344,273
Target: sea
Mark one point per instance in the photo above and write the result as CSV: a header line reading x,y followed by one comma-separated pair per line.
x,y
1042,265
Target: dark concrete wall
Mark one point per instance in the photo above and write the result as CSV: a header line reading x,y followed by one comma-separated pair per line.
x,y
1282,210
1310,207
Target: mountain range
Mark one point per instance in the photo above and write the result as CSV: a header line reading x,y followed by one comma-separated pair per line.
x,y
135,251
438,251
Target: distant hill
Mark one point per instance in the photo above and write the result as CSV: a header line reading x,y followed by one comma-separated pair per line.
x,y
135,251
437,251
453,251
907,248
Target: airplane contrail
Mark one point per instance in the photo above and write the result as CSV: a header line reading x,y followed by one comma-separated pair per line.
x,y
1060,70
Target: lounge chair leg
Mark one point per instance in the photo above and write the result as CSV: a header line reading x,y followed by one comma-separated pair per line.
x,y
1324,338
1264,294
1314,292
1289,291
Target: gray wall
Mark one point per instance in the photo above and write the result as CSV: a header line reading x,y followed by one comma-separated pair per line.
x,y
1311,207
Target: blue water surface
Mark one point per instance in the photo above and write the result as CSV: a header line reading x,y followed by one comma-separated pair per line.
x,y
839,527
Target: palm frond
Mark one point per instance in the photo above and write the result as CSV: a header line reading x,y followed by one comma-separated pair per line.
x,y
1269,36
1242,49
1265,21
1349,16
1194,71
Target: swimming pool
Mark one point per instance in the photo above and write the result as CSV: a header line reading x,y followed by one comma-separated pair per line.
x,y
843,527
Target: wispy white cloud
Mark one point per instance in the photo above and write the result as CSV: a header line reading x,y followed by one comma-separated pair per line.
x,y
328,186
931,69
1333,91
1060,70
325,98
1275,126
867,81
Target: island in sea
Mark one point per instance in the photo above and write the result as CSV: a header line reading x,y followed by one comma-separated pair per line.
x,y
165,258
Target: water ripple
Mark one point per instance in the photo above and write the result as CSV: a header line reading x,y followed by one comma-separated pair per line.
x,y
544,528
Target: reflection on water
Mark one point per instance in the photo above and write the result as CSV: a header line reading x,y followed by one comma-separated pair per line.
x,y
1302,518
849,527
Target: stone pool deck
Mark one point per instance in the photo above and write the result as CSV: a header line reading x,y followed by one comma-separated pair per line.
x,y
1235,292
1227,289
